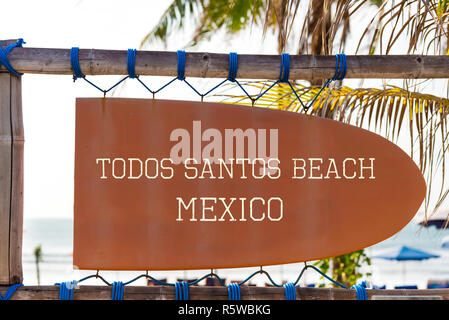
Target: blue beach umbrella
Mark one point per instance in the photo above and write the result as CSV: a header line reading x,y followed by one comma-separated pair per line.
x,y
404,253
445,242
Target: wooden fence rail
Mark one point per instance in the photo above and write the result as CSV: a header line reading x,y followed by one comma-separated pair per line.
x,y
218,293
215,65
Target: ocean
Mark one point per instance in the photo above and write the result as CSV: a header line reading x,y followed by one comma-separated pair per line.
x,y
56,239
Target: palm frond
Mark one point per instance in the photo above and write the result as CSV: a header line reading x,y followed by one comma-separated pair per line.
x,y
323,21
173,19
380,110
207,18
422,23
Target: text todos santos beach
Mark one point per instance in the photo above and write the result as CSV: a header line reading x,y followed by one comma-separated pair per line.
x,y
230,154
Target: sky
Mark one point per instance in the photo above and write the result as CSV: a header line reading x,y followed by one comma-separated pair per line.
x,y
49,100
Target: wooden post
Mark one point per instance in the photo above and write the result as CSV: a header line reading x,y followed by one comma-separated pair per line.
x,y
11,179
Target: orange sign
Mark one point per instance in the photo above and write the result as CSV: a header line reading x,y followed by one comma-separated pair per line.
x,y
163,185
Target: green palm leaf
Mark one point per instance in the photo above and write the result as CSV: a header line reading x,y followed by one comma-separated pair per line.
x,y
208,17
380,110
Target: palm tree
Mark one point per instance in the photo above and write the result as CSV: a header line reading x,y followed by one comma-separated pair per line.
x,y
423,24
38,258
324,19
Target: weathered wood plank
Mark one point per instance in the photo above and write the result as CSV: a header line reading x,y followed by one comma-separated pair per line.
x,y
407,298
5,174
214,293
16,213
11,176
213,65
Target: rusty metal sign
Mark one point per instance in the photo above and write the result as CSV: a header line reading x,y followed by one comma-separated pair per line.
x,y
162,185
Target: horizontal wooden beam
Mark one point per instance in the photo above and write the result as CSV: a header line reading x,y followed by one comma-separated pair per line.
x,y
214,65
216,293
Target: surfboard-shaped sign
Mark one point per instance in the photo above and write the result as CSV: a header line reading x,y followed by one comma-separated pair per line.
x,y
163,185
